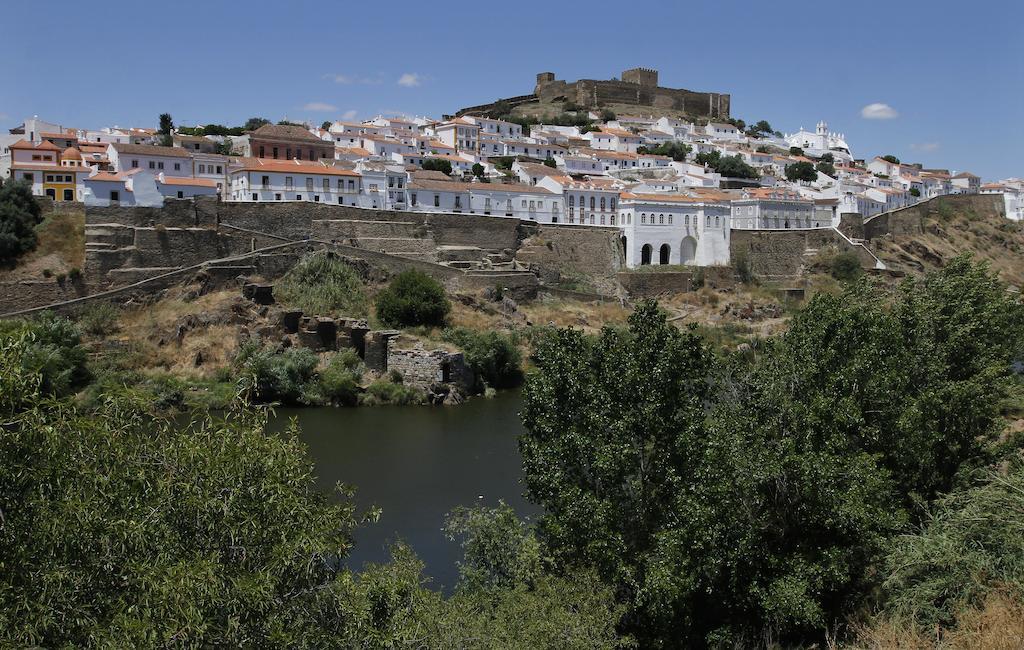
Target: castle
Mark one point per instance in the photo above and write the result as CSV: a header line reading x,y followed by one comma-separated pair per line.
x,y
638,87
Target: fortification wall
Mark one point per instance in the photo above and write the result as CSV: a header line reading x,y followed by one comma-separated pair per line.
x,y
783,253
567,251
650,284
909,221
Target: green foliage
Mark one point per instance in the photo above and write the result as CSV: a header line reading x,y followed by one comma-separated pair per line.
x,y
728,166
503,162
321,283
120,531
827,157
801,171
19,214
166,124
478,170
499,550
891,158
826,168
437,165
607,115
971,546
846,267
384,391
225,147
326,124
741,264
677,151
288,376
915,191
413,298
254,123
760,129
736,500
289,123
99,318
494,357
550,162
339,380
796,151
51,352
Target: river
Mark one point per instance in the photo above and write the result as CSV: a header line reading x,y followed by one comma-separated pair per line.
x,y
417,463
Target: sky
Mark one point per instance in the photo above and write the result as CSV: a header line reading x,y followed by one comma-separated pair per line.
x,y
936,82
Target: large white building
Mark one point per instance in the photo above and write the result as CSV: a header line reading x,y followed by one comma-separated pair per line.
x,y
820,142
675,228
266,180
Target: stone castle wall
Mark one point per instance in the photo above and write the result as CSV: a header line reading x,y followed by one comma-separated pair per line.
x,y
909,221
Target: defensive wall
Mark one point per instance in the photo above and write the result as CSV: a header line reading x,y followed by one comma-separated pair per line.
x,y
779,254
909,221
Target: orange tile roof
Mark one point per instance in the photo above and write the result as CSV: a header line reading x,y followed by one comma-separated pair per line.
x,y
178,180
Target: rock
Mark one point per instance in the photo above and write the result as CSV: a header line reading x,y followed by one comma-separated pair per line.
x,y
198,361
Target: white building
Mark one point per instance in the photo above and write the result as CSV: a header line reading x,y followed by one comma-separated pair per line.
x,y
259,180
460,134
965,183
591,200
1012,190
172,161
498,127
675,229
820,142
773,208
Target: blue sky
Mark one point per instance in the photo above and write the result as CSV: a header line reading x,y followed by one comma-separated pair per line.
x,y
951,72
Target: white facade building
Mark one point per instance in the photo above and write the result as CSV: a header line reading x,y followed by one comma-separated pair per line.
x,y
675,229
266,180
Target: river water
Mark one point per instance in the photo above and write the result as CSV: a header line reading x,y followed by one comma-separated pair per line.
x,y
417,463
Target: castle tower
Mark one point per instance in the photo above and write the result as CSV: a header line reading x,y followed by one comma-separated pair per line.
x,y
543,79
643,76
822,128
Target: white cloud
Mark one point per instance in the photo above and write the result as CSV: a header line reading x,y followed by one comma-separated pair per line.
x,y
878,111
349,79
925,146
349,115
320,107
410,80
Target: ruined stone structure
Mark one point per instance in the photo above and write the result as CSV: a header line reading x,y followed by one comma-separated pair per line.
x,y
638,86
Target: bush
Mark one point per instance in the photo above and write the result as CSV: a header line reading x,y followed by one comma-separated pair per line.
x,y
289,377
494,357
52,351
99,318
413,298
383,391
846,267
19,214
339,381
741,264
437,165
322,283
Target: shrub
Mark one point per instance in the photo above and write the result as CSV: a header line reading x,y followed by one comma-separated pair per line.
x,y
386,392
19,214
339,381
322,283
494,357
52,351
413,298
99,318
437,165
741,264
697,279
846,267
289,377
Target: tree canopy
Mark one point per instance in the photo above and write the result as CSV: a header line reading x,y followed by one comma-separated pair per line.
x,y
730,500
677,151
19,215
801,171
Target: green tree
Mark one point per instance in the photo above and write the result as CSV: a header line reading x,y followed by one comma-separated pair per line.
x,y
550,162
827,157
760,129
796,151
437,165
709,158
499,550
735,167
254,123
846,267
165,130
413,298
478,170
891,158
826,168
494,357
801,171
677,151
225,147
915,191
326,124
19,215
607,115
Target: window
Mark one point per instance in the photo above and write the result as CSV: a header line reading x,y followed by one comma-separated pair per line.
x,y
219,168
437,201
707,222
327,185
277,196
177,167
316,198
341,200
202,169
275,152
288,153
592,203
287,182
181,195
261,151
298,197
602,204
69,195
351,185
152,164
613,203
115,196
266,182
670,220
160,165
412,198
255,197
572,201
458,202
312,155
661,218
643,217
716,221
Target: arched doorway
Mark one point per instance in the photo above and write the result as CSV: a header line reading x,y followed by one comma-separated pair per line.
x,y
663,254
52,193
645,255
688,252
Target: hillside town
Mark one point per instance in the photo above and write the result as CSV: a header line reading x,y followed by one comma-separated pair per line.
x,y
675,188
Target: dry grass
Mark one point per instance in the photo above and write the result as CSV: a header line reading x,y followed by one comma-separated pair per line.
x,y
590,316
997,625
60,247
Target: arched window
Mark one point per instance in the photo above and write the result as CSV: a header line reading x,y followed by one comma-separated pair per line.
x,y
661,218
707,221
572,201
602,204
686,220
591,220
613,203
613,219
643,217
716,221
602,219
591,203
670,220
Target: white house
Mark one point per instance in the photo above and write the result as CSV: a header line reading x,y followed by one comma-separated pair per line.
x,y
965,183
499,127
675,228
722,131
591,201
820,142
264,179
172,161
176,187
1012,190
460,134
764,208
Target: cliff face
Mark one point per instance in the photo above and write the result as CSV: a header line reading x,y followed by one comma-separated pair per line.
x,y
927,235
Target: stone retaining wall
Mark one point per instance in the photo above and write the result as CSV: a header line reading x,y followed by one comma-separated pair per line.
x,y
649,284
909,221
